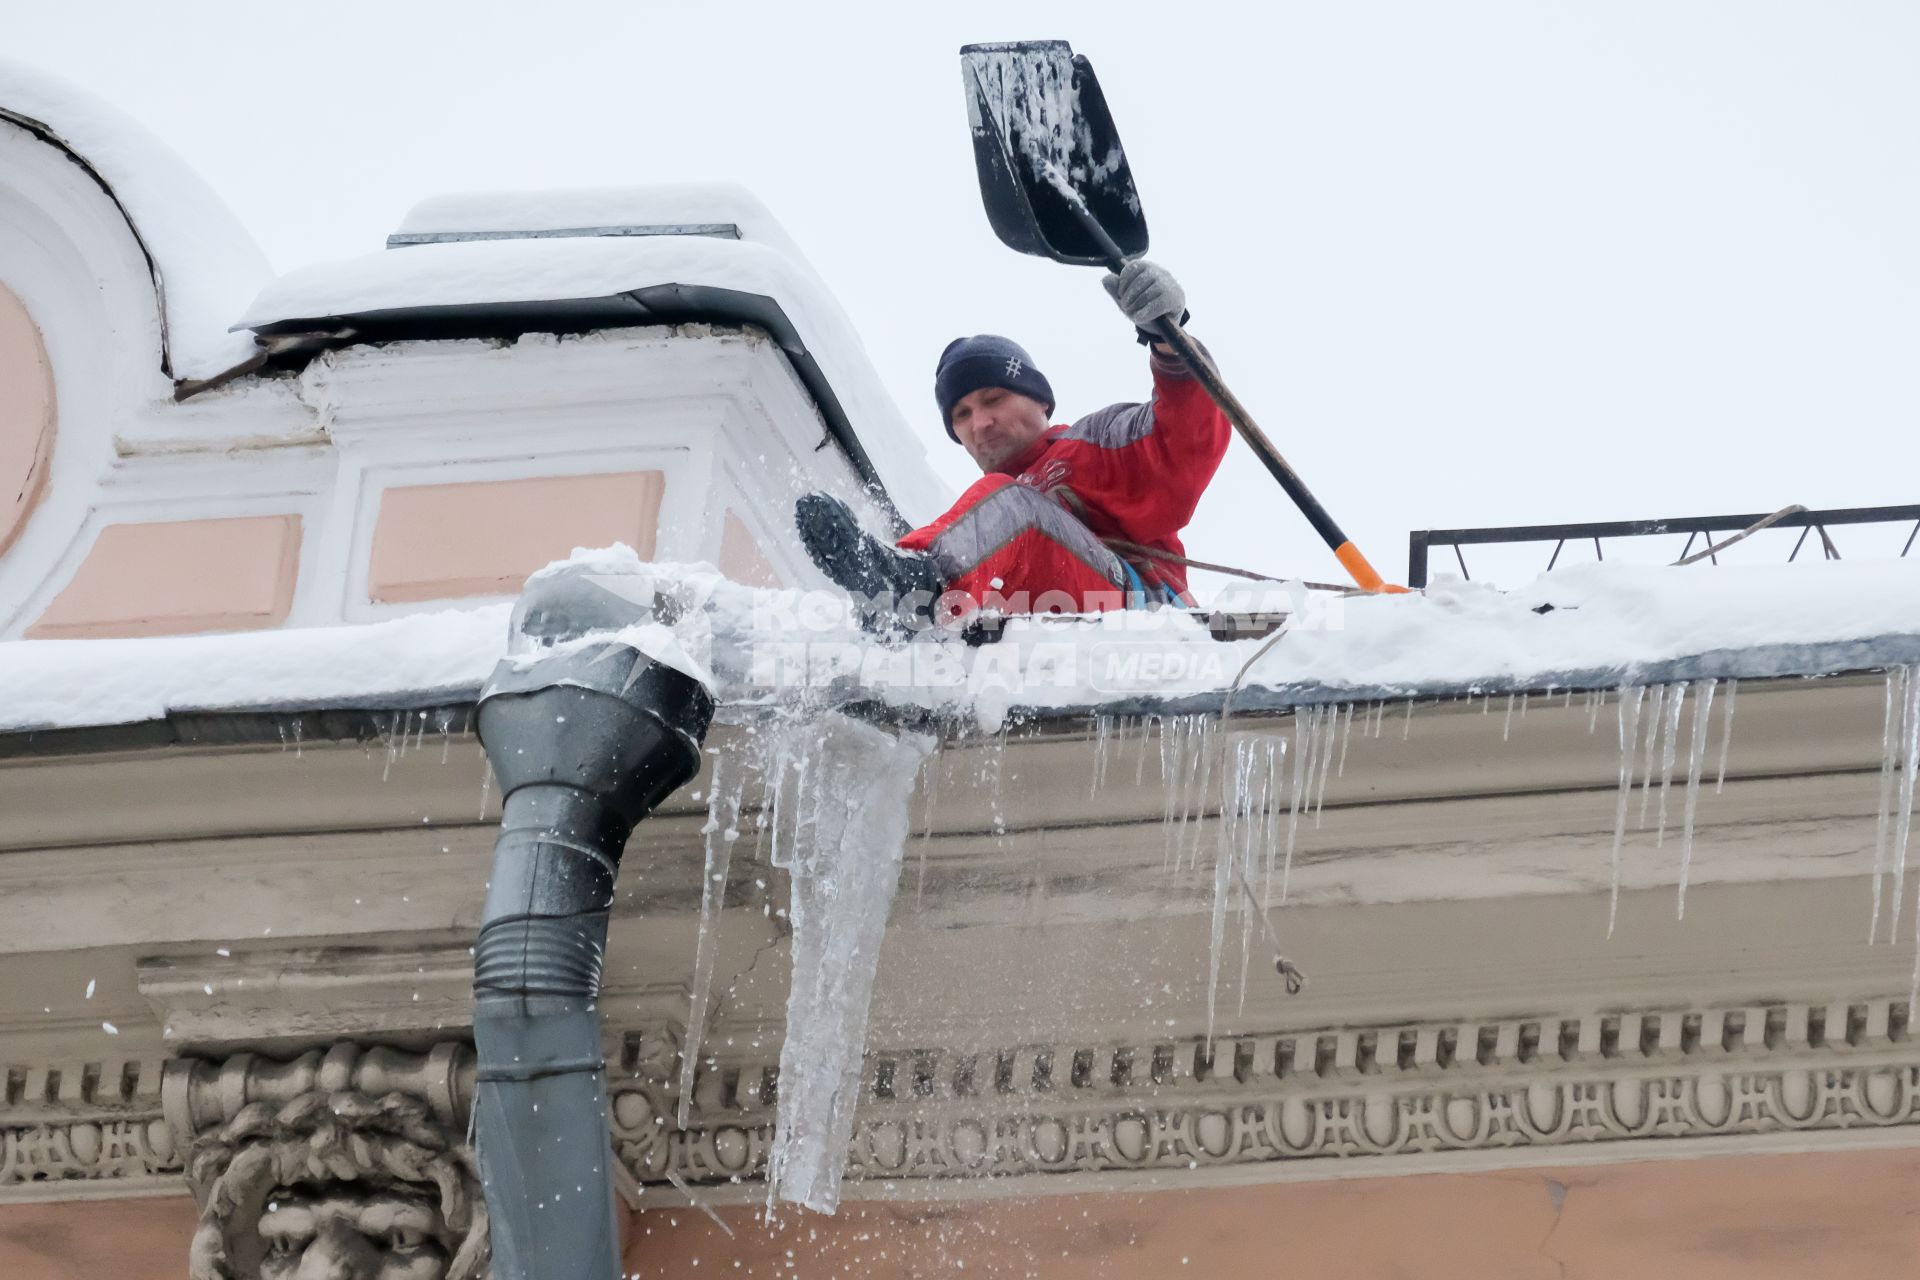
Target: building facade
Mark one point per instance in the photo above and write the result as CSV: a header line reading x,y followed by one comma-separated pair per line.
x,y
252,581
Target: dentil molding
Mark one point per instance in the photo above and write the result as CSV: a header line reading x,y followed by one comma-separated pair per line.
x,y
1333,1102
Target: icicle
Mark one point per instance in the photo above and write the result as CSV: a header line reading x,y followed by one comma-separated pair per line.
x,y
1726,735
1909,765
1667,753
1222,885
486,783
1247,806
393,723
1204,747
724,794
932,776
1506,726
1406,729
1176,785
1596,699
1883,828
1913,987
1102,732
1171,778
1302,740
782,824
1189,772
1242,826
1266,777
1330,717
1696,758
1657,704
850,822
1257,825
1270,816
995,768
1630,699
1315,737
1346,737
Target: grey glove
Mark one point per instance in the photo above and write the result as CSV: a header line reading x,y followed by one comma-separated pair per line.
x,y
1146,291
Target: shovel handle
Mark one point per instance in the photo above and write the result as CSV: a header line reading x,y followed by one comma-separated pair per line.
x,y
1364,574
1168,328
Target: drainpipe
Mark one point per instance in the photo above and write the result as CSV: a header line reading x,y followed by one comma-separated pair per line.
x,y
585,743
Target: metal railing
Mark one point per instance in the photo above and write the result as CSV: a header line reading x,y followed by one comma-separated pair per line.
x,y
1421,541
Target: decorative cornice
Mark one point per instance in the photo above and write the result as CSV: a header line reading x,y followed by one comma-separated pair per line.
x,y
86,1129
74,1159
1623,1085
1394,1098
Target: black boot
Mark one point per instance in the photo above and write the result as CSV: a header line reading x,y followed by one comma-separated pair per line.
x,y
900,584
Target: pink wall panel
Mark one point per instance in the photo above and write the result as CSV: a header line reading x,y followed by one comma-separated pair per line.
x,y
1778,1217
180,577
443,541
98,1239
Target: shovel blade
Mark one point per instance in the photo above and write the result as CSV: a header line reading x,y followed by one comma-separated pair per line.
x,y
1038,120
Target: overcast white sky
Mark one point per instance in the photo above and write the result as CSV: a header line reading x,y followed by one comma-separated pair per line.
x,y
1469,263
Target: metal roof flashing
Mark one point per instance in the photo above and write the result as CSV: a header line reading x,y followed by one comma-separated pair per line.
x,y
653,305
718,230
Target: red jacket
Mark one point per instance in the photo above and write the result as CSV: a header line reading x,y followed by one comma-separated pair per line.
x,y
1129,471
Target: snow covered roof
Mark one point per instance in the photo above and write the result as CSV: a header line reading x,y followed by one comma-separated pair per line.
x,y
205,264
1608,626
620,257
602,211
414,660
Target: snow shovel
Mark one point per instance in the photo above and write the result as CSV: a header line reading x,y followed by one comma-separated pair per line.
x,y
1056,184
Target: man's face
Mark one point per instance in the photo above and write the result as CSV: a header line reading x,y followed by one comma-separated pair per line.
x,y
996,425
338,1234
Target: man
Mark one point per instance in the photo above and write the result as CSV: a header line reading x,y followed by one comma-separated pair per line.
x,y
1069,518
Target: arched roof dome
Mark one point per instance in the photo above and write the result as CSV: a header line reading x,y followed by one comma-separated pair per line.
x,y
206,266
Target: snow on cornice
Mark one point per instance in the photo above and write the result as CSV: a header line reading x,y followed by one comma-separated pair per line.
x,y
206,265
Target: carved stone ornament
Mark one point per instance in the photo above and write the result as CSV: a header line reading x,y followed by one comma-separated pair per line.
x,y
85,1127
351,1164
1626,1086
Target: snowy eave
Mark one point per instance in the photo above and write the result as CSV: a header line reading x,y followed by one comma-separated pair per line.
x,y
480,273
205,264
1608,626
608,280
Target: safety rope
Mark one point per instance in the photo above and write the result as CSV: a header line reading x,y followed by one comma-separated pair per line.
x,y
1156,553
1135,551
